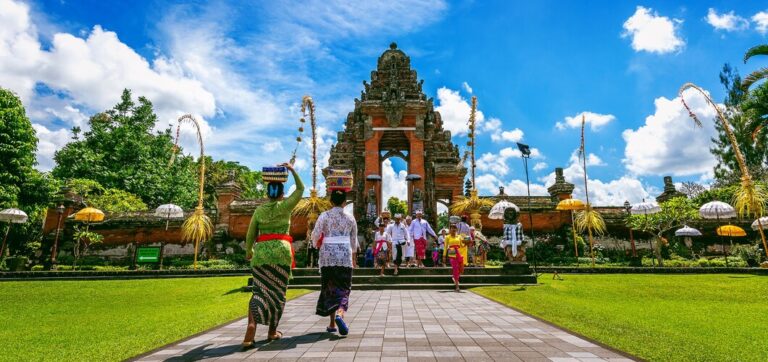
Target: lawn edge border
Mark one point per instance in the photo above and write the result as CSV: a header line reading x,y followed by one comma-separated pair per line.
x,y
198,334
588,339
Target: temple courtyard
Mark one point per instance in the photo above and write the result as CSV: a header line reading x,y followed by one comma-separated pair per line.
x,y
701,317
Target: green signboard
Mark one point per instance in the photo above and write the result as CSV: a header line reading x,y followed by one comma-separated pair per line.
x,y
148,254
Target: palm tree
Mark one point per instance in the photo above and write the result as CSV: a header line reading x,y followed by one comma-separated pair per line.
x,y
750,198
198,227
588,219
758,74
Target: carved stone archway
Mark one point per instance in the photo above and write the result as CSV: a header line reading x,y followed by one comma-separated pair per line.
x,y
394,115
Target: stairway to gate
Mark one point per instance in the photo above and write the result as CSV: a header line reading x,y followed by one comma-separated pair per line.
x,y
421,278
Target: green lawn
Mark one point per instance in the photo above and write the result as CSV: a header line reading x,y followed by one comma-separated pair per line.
x,y
112,320
655,317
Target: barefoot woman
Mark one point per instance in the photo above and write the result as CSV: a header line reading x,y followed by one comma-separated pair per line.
x,y
335,234
268,247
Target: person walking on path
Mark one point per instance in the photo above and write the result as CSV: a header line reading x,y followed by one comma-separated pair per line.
x,y
437,255
410,249
419,230
463,228
269,249
335,235
382,243
398,232
454,243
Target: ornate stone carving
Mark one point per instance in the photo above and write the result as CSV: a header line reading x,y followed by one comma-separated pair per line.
x,y
670,192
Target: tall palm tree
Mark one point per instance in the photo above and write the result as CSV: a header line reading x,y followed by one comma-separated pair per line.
x,y
751,197
588,219
759,74
197,228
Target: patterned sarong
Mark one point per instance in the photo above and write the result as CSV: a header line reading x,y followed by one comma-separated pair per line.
x,y
336,284
269,285
421,248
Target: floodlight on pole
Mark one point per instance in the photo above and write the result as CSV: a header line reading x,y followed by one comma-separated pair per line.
x,y
525,151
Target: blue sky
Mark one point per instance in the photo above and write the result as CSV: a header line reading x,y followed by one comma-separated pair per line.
x,y
242,69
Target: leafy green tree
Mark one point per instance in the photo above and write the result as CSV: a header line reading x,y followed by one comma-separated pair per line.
x,y
674,213
21,186
218,172
84,238
397,206
759,74
18,143
120,151
114,200
743,111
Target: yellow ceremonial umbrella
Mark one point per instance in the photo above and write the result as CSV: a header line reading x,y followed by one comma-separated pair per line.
x,y
572,205
89,214
731,231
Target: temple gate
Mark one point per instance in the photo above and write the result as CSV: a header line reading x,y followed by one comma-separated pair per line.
x,y
393,117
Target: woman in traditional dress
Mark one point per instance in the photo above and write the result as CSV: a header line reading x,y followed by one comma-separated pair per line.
x,y
268,247
335,234
382,243
454,243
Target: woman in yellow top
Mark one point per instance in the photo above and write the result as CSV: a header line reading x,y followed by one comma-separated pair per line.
x,y
455,251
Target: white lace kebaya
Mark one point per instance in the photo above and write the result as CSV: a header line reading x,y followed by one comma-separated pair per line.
x,y
339,233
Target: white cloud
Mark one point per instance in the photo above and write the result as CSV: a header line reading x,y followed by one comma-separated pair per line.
x,y
393,183
87,74
668,143
271,147
466,87
727,21
761,22
48,142
488,184
498,163
594,120
539,166
653,33
454,112
515,135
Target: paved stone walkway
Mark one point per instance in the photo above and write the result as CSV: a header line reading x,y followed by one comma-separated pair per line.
x,y
395,325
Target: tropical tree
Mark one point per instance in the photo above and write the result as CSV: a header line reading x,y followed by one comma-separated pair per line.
x,y
82,240
750,197
759,74
743,112
397,206
121,151
674,213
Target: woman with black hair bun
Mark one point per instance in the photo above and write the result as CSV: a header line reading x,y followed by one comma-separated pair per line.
x,y
268,247
335,234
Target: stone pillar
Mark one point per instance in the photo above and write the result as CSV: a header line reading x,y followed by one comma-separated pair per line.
x,y
670,192
415,164
373,167
561,189
226,193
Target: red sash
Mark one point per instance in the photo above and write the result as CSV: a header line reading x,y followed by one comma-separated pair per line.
x,y
379,244
286,237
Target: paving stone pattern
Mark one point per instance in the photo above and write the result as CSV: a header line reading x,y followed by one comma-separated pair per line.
x,y
398,325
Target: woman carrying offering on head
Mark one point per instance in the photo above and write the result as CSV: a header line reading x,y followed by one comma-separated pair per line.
x,y
454,242
269,249
335,235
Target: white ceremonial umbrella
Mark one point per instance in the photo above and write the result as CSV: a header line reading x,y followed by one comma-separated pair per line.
x,y
645,208
687,232
763,221
717,210
497,211
11,216
168,212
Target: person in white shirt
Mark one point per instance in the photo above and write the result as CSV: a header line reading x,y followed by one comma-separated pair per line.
x,y
409,249
437,255
382,243
398,232
420,229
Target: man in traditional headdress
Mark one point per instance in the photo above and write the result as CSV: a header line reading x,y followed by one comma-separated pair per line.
x,y
419,230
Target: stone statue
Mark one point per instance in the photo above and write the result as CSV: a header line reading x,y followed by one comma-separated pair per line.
x,y
512,240
417,194
371,211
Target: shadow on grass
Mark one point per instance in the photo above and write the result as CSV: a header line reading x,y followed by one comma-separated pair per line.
x,y
287,343
238,290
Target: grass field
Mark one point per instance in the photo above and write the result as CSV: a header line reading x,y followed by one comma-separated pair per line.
x,y
112,320
655,317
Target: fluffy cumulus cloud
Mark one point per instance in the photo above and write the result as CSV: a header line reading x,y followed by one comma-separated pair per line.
x,y
539,166
761,22
454,111
726,21
393,183
86,74
669,143
653,33
594,120
498,163
488,184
